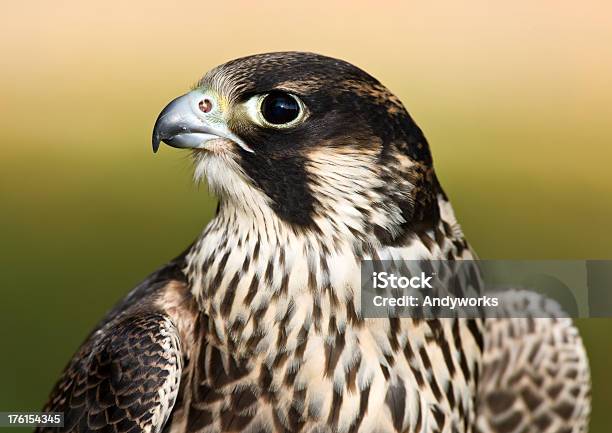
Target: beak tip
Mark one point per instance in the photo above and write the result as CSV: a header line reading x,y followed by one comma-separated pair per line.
x,y
155,144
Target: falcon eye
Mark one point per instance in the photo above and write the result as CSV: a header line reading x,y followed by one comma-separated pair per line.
x,y
280,108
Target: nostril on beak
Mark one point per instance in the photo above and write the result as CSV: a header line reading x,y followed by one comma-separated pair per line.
x,y
205,105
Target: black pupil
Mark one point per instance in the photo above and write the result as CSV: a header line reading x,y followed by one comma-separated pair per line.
x,y
278,108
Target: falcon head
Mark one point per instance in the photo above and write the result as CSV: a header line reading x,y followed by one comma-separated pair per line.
x,y
307,137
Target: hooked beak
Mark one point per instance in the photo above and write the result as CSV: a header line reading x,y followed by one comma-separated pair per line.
x,y
182,124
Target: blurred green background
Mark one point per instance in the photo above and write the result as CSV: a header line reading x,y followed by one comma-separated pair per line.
x,y
516,100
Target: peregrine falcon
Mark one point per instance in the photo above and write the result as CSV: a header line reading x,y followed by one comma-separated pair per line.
x,y
257,326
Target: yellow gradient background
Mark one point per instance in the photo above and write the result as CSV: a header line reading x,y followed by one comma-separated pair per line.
x,y
514,97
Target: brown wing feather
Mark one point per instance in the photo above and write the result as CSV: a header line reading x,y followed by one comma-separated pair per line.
x,y
125,378
535,375
125,381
